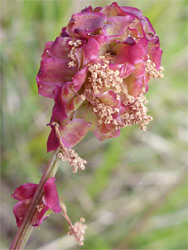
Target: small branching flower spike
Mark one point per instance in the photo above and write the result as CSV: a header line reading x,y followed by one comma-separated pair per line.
x,y
78,229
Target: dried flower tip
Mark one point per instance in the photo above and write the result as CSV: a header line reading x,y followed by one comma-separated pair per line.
x,y
78,231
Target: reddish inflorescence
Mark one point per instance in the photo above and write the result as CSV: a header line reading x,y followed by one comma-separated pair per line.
x,y
97,72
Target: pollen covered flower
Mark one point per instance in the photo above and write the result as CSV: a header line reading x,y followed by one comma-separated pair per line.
x,y
24,194
97,72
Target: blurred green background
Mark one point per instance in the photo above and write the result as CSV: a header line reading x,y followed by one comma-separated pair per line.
x,y
133,193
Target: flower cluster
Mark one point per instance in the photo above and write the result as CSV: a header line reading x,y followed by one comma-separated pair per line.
x,y
97,72
24,194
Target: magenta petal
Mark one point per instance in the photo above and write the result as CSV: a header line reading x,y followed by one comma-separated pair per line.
x,y
88,21
50,70
64,33
74,104
19,211
66,93
58,111
139,69
79,56
131,10
130,41
116,66
134,85
113,10
61,49
155,55
25,191
129,53
50,198
79,78
47,88
116,25
87,9
106,131
74,131
125,69
48,45
40,216
54,72
149,31
102,40
52,142
91,51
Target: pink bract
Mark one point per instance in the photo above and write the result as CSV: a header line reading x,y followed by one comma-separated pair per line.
x,y
24,194
97,73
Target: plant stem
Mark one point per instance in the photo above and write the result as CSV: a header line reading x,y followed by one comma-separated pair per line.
x,y
26,227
